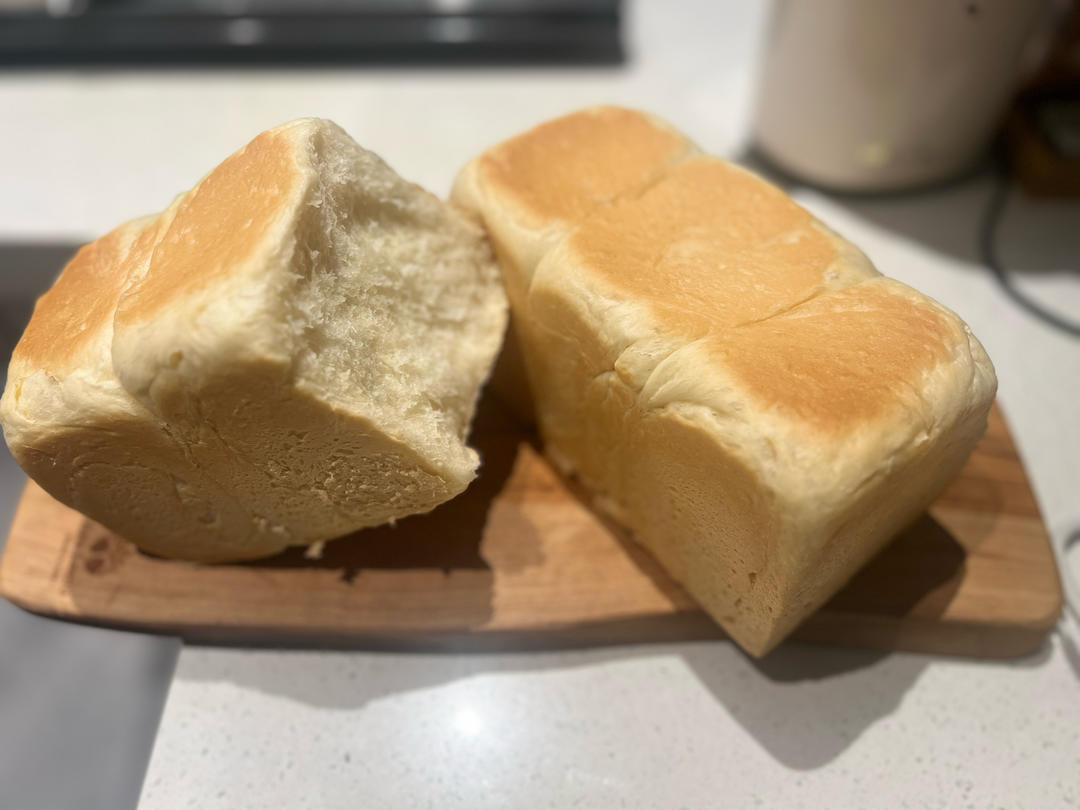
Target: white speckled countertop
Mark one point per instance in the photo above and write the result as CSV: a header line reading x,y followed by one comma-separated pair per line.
x,y
684,725
680,725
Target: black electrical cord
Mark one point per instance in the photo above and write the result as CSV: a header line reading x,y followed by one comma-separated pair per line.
x,y
995,208
991,220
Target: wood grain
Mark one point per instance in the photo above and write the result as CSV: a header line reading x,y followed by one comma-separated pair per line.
x,y
519,560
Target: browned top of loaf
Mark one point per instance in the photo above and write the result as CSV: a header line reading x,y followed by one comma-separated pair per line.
x,y
219,224
562,169
213,228
716,252
80,303
710,246
842,359
794,315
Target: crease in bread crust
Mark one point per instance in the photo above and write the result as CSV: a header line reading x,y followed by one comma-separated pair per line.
x,y
241,391
733,381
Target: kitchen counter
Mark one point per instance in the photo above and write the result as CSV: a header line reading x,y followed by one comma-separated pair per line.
x,y
674,725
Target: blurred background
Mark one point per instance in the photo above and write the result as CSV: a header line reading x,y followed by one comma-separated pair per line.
x,y
942,136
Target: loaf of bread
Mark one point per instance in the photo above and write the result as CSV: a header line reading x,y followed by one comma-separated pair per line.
x,y
290,351
735,384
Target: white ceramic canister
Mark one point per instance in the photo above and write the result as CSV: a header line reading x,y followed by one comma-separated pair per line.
x,y
874,95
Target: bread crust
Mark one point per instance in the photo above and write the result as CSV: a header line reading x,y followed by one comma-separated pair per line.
x,y
733,381
188,381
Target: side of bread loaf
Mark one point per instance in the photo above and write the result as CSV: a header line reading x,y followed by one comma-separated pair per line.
x,y
291,351
735,383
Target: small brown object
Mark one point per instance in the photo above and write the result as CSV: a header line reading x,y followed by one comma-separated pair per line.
x,y
1042,170
1042,167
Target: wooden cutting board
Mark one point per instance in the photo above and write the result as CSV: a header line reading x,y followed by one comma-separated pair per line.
x,y
519,560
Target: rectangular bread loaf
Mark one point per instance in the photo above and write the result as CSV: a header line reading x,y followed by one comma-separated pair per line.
x,y
735,383
291,351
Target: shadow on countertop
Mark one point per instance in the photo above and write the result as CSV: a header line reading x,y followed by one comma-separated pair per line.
x,y
1034,235
26,271
805,705
27,267
80,705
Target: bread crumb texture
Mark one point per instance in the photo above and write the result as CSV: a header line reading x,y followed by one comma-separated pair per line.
x,y
291,351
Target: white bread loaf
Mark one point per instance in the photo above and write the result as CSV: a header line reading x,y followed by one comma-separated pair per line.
x,y
291,351
736,384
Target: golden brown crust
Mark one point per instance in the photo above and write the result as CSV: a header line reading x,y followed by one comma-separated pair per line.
x,y
710,246
219,224
234,375
714,252
564,168
734,382
229,211
840,360
81,302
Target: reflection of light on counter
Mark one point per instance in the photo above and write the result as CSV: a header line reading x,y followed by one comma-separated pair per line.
x,y
245,31
55,8
468,722
452,6
451,29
